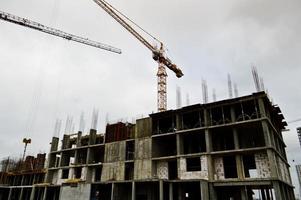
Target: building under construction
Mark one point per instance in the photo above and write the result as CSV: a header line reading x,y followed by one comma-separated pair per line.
x,y
225,150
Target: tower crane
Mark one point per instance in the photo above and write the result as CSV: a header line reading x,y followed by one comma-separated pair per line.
x,y
158,53
40,27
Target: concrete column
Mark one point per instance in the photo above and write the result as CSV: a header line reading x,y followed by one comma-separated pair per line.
x,y
161,190
212,193
170,191
266,134
243,193
263,194
10,193
236,138
45,193
273,163
179,122
32,193
78,140
277,189
112,192
133,191
268,194
239,166
179,145
262,108
21,194
54,144
204,190
208,140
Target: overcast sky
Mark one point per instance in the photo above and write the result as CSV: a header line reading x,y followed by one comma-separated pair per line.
x,y
44,78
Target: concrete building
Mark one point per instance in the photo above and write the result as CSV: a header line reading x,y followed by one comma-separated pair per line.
x,y
299,134
298,169
226,150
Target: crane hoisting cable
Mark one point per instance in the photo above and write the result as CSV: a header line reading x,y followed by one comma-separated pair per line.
x,y
40,27
158,53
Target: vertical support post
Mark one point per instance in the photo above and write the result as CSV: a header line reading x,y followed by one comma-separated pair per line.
x,y
32,193
277,189
133,191
170,191
112,192
45,193
161,189
204,190
243,193
21,194
10,193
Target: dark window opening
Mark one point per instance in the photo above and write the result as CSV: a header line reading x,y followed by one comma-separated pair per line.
x,y
129,171
227,114
78,172
65,173
249,166
222,139
164,146
187,190
96,155
216,116
193,164
238,112
99,139
172,170
81,156
192,120
101,191
164,125
53,193
194,142
67,158
250,109
85,141
97,176
250,136
130,150
230,167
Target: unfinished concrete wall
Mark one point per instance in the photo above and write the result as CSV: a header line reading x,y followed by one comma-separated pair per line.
x,y
143,163
143,128
143,169
283,171
114,152
186,175
219,173
80,192
262,165
113,171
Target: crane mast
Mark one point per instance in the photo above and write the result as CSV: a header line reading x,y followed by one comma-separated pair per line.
x,y
40,27
158,55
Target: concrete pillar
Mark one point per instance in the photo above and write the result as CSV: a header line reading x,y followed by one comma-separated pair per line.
x,y
268,194
273,163
204,190
170,191
10,193
78,139
263,194
243,193
239,166
161,190
277,189
179,145
54,144
32,193
21,194
92,136
133,191
45,193
266,133
210,166
212,193
112,192
66,141
236,138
